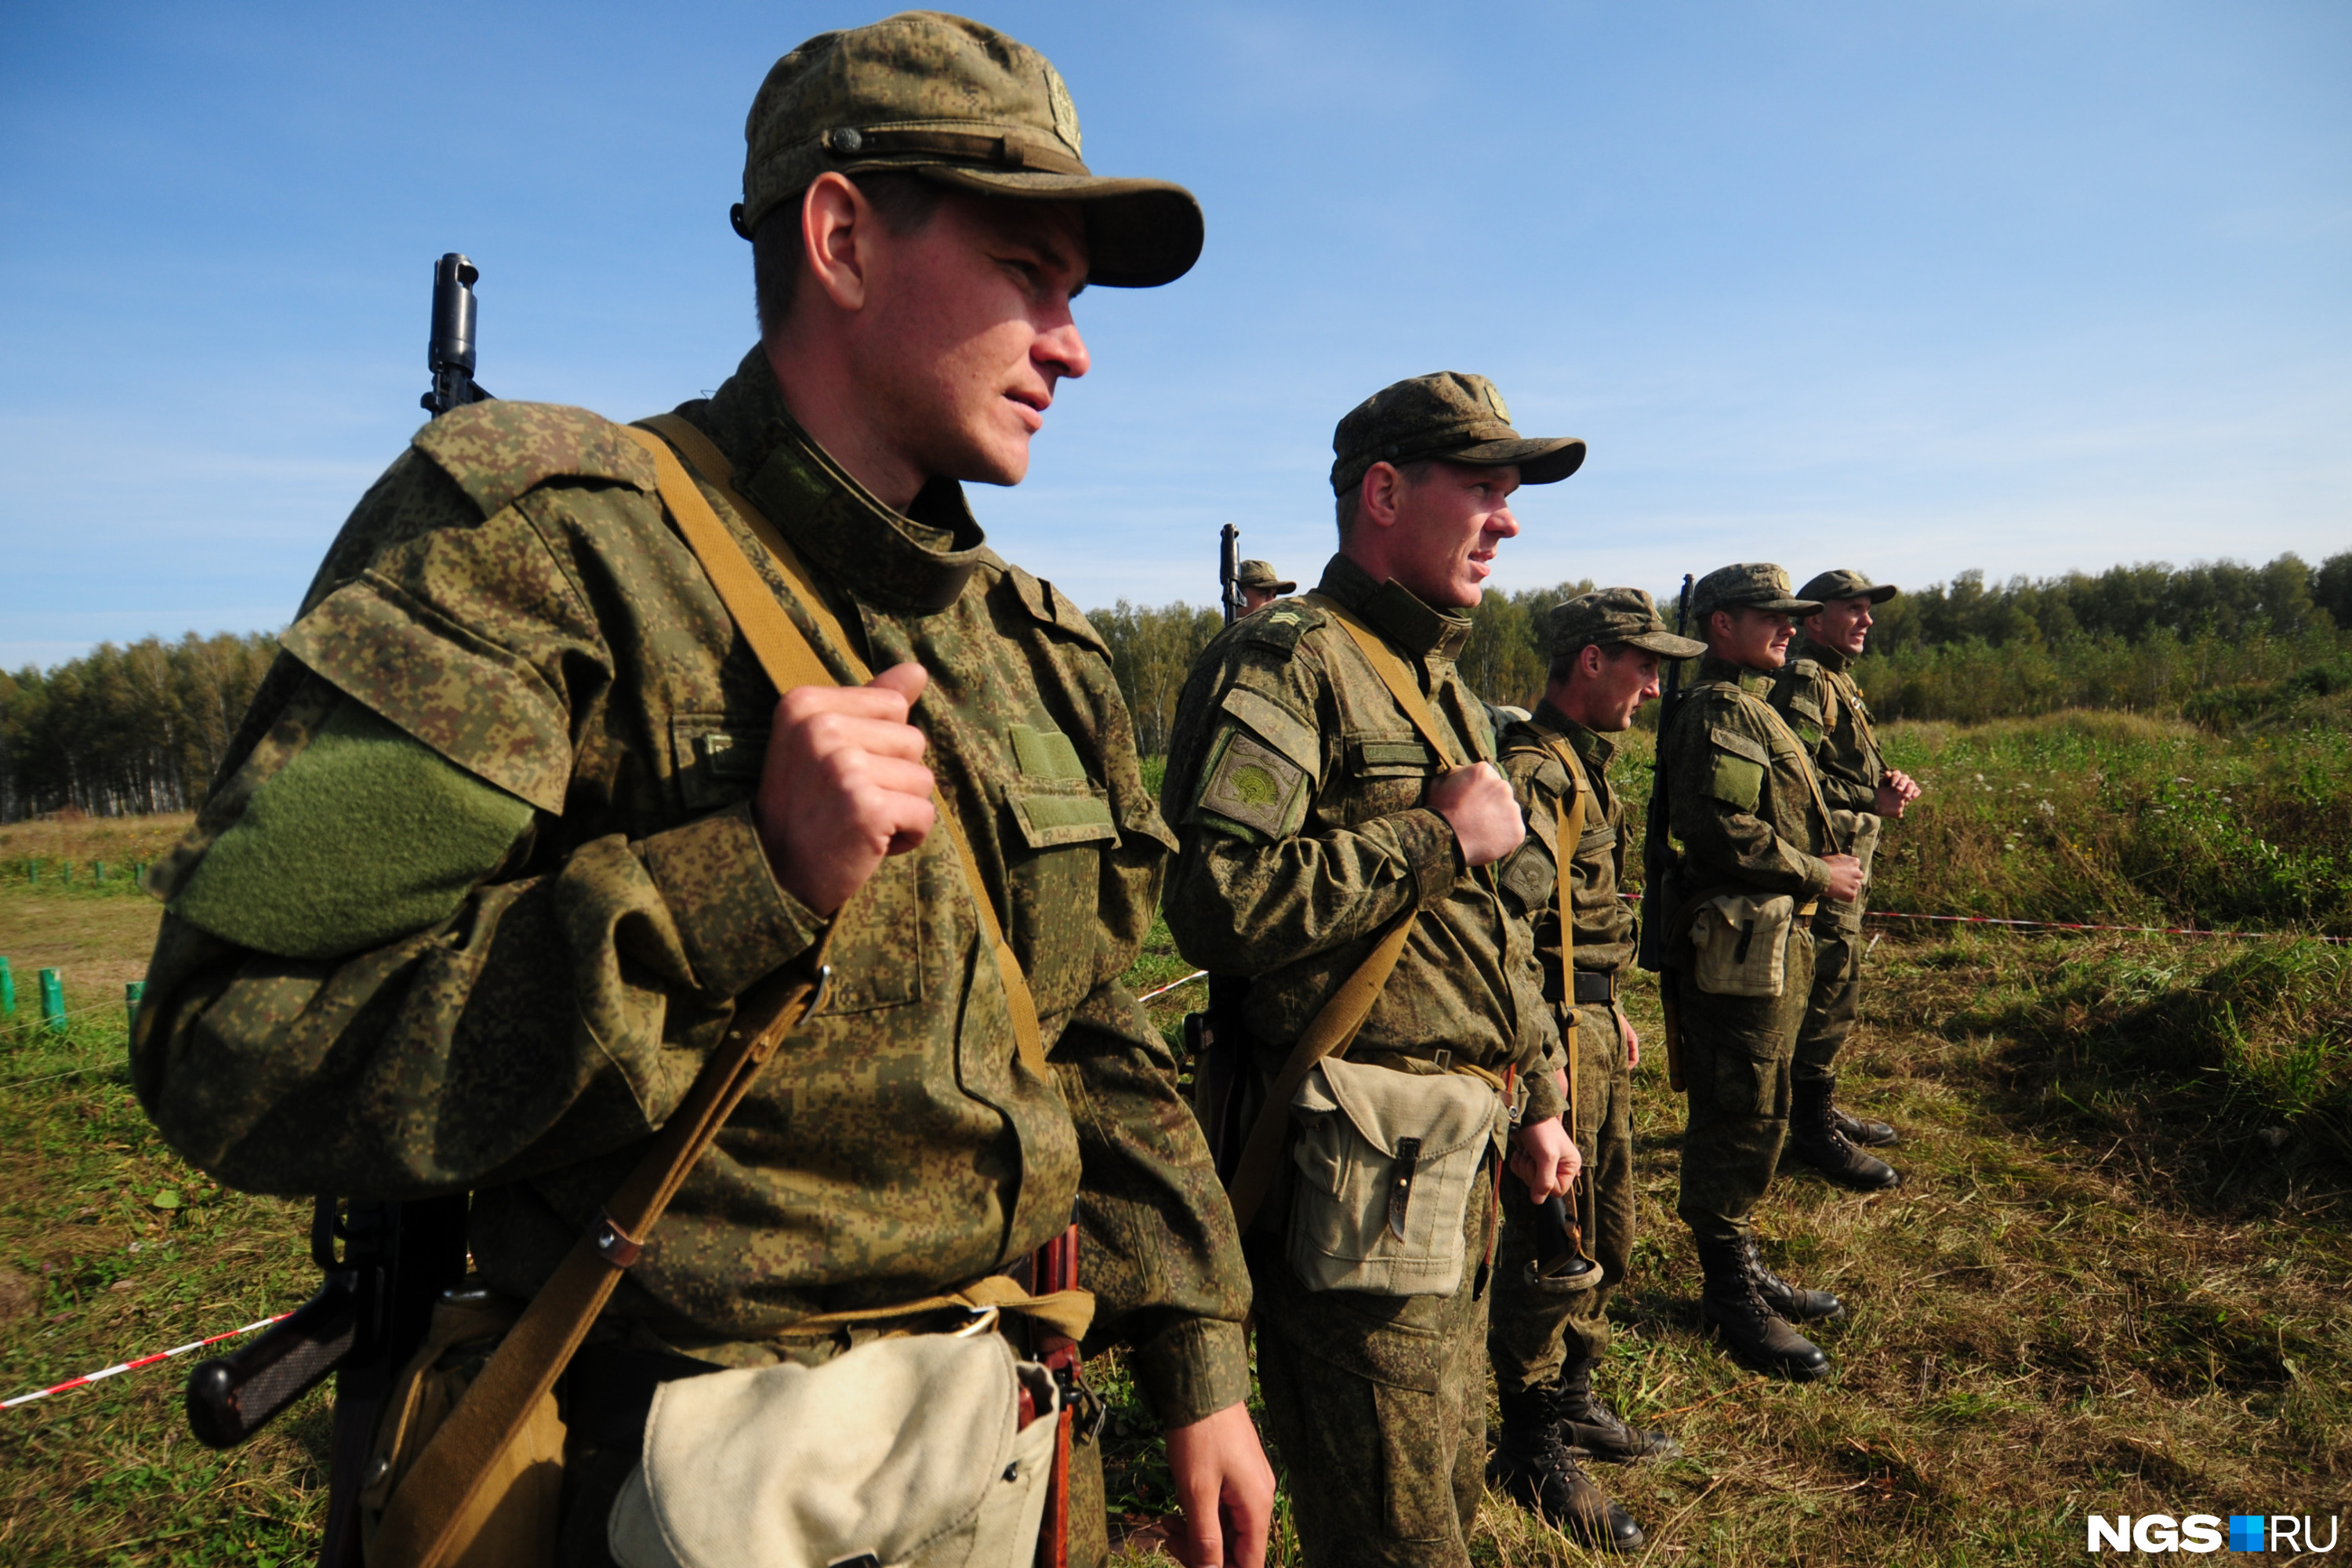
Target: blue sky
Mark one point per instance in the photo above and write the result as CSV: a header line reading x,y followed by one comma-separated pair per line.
x,y
1916,288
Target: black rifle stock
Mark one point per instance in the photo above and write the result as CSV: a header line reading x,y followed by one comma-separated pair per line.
x,y
1229,569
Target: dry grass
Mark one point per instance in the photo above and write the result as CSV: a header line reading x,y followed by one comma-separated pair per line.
x,y
2101,1288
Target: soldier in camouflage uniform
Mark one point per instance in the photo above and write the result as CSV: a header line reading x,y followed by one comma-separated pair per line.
x,y
516,819
1312,812
1259,586
1817,698
1743,801
1547,1335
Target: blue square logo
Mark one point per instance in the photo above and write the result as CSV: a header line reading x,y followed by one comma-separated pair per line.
x,y
2246,1532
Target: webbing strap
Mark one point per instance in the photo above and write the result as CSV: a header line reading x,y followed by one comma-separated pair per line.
x,y
1813,782
1334,1026
1395,677
784,652
1569,827
420,1524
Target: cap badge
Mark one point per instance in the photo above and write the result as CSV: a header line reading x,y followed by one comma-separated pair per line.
x,y
1066,114
1495,400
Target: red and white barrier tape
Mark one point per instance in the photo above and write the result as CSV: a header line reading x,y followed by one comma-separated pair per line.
x,y
142,1361
1175,985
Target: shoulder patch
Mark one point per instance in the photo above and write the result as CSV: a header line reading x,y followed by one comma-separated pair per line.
x,y
1739,745
496,450
1054,607
1275,725
1253,785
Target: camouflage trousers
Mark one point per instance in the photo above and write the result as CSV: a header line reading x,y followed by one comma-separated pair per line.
x,y
1836,994
1377,1406
1536,1325
1737,1055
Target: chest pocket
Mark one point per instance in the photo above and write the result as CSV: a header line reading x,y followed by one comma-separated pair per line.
x,y
1064,825
715,757
1387,773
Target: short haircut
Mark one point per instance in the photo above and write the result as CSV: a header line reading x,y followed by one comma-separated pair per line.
x,y
1564,660
1353,498
903,202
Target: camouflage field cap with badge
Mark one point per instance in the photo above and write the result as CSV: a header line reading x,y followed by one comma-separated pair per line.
x,y
1608,616
1259,575
1846,584
1751,585
1450,415
963,105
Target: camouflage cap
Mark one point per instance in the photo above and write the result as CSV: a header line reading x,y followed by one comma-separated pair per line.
x,y
1260,574
1753,586
1612,616
1450,415
1847,584
961,104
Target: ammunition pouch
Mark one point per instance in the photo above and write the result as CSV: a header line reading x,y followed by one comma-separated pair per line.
x,y
1742,944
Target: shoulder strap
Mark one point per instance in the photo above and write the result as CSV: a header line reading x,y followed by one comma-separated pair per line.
x,y
1568,824
420,1526
1394,676
1329,1032
785,654
1812,779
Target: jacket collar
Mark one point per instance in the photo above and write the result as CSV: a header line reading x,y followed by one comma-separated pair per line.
x,y
1594,748
916,561
1753,681
1392,610
1829,659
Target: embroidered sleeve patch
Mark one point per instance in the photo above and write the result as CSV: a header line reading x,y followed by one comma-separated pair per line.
x,y
1253,786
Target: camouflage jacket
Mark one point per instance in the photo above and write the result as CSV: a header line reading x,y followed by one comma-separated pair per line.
x,y
1738,793
1296,782
1816,693
1603,921
511,596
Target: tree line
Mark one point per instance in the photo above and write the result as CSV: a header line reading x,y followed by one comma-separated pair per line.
x,y
142,728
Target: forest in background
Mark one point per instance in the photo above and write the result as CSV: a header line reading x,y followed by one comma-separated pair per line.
x,y
123,730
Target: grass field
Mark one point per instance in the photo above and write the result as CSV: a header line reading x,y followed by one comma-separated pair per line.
x,y
2115,1280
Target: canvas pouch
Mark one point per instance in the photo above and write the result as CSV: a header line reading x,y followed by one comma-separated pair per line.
x,y
1386,1162
903,1451
1743,944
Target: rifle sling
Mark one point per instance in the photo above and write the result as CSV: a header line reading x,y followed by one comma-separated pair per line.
x,y
420,1524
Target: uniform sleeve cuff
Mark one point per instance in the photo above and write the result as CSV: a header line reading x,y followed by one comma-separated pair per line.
x,y
1817,880
1191,1370
735,922
1543,1099
1430,849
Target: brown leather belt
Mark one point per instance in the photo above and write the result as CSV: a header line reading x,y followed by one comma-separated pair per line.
x,y
1596,987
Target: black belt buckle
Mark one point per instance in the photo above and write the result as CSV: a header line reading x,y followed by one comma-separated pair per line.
x,y
1594,988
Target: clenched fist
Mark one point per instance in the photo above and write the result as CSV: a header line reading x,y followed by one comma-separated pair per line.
x,y
1480,807
843,785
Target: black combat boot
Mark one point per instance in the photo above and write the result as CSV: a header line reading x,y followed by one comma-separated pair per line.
x,y
1788,1303
1813,1137
1860,1133
1584,1422
1535,1467
1731,1304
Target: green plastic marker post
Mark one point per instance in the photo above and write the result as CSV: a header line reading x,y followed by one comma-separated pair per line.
x,y
65,873
98,871
131,990
7,989
33,872
53,1000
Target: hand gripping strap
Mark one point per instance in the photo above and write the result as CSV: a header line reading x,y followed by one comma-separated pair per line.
x,y
420,1526
785,654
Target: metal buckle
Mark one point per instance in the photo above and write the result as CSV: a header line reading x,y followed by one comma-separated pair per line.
x,y
984,1321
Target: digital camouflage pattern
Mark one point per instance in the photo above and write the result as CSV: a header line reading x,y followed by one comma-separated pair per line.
x,y
1378,1407
510,596
1816,694
1376,1402
1297,782
1451,414
1740,799
1537,1323
1750,584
